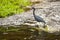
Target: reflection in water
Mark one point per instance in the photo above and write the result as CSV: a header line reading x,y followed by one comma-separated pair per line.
x,y
28,34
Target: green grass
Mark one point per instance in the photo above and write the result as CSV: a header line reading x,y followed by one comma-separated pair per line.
x,y
10,7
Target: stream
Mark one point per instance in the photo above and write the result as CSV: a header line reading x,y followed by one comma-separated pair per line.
x,y
25,33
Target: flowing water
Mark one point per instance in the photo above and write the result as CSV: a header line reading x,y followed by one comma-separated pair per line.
x,y
22,33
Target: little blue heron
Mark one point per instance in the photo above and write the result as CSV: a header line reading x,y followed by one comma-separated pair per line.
x,y
38,18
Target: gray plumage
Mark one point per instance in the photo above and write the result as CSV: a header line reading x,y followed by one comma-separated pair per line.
x,y
39,19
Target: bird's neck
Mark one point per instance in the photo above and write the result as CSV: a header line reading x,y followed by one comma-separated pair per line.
x,y
34,12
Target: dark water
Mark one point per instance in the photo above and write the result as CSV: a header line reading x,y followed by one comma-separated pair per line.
x,y
27,34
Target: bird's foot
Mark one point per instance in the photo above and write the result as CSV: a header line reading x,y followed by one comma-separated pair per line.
x,y
46,27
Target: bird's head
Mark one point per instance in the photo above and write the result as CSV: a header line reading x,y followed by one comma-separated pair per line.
x,y
33,8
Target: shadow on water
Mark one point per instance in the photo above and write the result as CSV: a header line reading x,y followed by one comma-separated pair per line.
x,y
27,34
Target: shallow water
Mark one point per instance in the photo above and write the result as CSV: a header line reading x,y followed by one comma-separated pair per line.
x,y
26,34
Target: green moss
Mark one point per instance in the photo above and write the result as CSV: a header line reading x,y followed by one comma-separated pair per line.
x,y
46,28
10,7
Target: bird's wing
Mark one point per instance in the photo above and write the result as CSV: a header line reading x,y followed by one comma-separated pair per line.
x,y
39,18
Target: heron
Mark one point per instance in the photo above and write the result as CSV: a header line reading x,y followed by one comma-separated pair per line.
x,y
38,18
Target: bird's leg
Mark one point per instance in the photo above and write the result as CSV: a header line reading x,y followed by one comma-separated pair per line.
x,y
38,24
44,25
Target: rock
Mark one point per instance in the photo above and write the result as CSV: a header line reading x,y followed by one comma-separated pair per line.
x,y
50,12
17,19
36,0
44,0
